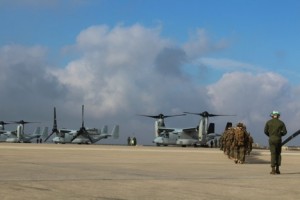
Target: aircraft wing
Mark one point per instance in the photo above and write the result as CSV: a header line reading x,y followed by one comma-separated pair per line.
x,y
188,130
67,130
166,129
185,130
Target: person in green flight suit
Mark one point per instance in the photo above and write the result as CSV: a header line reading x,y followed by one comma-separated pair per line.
x,y
275,129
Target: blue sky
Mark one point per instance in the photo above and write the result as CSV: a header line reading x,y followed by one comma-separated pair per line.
x,y
263,33
199,47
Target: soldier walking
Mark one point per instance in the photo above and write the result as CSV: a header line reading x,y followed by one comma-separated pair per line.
x,y
240,143
275,129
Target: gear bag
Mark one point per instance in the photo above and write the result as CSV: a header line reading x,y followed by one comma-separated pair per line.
x,y
240,136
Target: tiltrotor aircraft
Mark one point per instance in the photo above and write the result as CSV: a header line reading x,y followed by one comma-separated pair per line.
x,y
206,130
195,136
172,136
18,135
81,136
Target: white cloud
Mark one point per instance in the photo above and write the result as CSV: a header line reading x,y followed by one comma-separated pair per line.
x,y
200,44
26,87
252,97
123,71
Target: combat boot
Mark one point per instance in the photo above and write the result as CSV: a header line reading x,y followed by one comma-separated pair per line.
x,y
273,171
277,170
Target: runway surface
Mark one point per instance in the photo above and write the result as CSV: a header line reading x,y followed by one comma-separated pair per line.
x,y
49,171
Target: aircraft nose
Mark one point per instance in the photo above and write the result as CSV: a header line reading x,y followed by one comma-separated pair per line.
x,y
157,140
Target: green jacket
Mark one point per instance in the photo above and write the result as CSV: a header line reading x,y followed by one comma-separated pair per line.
x,y
275,128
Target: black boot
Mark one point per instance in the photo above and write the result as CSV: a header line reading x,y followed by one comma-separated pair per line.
x,y
277,170
273,171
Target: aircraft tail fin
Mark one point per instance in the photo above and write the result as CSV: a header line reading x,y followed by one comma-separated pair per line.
x,y
228,125
104,130
211,128
37,131
45,132
115,132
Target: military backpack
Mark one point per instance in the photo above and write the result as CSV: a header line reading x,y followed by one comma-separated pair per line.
x,y
240,136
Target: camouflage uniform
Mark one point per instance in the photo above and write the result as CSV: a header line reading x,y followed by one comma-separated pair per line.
x,y
221,142
240,143
249,144
229,143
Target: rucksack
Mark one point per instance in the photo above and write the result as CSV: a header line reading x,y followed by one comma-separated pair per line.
x,y
240,136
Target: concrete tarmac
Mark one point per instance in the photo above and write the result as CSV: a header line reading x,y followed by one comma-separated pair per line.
x,y
49,171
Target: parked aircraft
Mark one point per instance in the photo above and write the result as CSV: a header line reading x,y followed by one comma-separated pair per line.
x,y
206,129
194,136
172,136
81,136
18,135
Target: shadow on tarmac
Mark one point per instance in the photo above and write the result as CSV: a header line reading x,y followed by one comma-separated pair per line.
x,y
291,173
254,159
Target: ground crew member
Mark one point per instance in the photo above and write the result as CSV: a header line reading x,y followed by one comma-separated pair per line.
x,y
275,129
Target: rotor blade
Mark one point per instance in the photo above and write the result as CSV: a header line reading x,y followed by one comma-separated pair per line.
x,y
77,134
49,136
206,114
23,122
174,115
89,137
4,123
82,115
162,116
290,137
82,130
54,129
152,116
